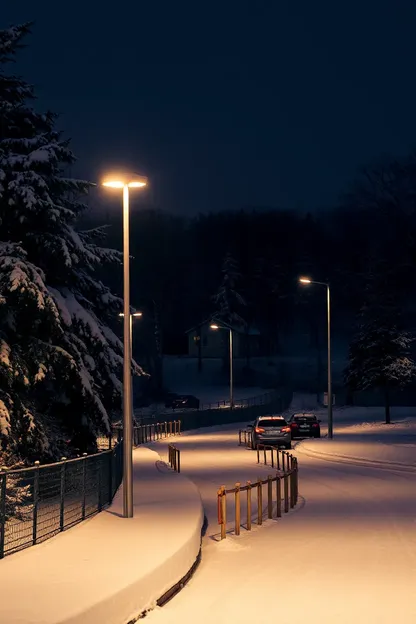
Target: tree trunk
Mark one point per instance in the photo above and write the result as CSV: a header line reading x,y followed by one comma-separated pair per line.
x,y
387,404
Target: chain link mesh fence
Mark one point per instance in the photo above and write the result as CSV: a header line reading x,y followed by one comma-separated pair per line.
x,y
37,503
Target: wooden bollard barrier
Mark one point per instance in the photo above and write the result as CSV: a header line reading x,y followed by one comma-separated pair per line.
x,y
248,505
270,496
223,513
259,502
286,492
278,497
237,509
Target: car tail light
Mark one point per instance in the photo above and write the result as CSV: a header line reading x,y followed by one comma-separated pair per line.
x,y
285,429
315,425
294,425
259,430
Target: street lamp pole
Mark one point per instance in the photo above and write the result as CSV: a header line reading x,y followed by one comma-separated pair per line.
x,y
328,317
134,315
306,280
122,182
231,371
216,327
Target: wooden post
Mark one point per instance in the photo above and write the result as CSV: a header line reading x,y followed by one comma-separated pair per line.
x,y
270,496
278,497
179,460
259,502
272,452
170,427
223,513
278,459
264,456
286,491
258,454
248,505
237,509
166,429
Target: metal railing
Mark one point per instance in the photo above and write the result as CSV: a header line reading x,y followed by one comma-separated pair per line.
x,y
38,502
174,458
142,434
283,493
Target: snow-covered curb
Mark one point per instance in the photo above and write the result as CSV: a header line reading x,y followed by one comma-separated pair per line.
x,y
109,570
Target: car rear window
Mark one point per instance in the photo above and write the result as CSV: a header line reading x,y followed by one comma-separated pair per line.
x,y
272,422
305,418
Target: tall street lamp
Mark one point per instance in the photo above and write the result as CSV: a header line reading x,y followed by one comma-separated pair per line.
x,y
306,280
133,316
126,182
214,326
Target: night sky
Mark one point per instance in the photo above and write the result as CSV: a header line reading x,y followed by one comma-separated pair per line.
x,y
227,104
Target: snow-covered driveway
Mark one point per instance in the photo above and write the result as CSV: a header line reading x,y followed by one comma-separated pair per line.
x,y
347,553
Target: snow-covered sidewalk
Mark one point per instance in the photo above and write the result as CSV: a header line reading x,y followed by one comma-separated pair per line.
x,y
109,569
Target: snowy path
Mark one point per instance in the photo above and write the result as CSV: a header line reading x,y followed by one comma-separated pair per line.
x,y
346,554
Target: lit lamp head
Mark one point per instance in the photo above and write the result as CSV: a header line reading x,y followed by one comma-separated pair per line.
x,y
135,314
305,280
121,180
213,326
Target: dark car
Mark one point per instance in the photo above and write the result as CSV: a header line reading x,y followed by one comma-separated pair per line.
x,y
271,430
305,426
170,398
185,401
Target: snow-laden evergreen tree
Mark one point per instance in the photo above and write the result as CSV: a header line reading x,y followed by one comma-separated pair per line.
x,y
380,353
228,300
60,364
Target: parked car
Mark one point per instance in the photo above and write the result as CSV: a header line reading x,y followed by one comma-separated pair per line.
x,y
305,426
185,401
170,398
271,430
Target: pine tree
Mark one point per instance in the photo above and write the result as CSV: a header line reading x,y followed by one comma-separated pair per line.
x,y
228,300
379,354
60,364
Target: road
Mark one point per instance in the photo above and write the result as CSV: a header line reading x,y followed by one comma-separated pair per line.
x,y
347,553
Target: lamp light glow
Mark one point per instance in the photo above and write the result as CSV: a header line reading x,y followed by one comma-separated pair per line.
x,y
305,280
120,180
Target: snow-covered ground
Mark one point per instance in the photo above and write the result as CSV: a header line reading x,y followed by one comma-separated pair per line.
x,y
346,554
108,569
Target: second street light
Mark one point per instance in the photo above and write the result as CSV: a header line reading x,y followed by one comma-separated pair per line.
x,y
216,327
126,182
306,280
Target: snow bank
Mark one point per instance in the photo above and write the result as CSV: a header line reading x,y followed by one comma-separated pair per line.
x,y
109,569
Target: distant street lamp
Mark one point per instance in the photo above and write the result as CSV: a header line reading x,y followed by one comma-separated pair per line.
x,y
126,182
214,326
306,280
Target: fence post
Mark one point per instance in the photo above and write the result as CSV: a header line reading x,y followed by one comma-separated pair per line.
x,y
166,429
258,454
286,491
296,481
278,496
179,460
264,456
237,509
179,427
223,513
99,483
62,501
272,454
278,459
35,503
248,505
3,475
110,477
259,502
239,437
270,496
84,484
170,427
